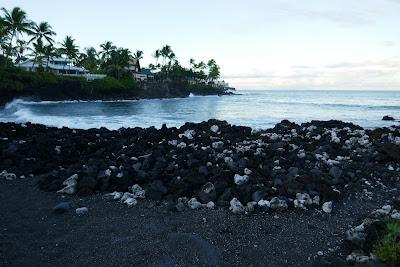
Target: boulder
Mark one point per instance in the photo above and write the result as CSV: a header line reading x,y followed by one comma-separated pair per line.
x,y
61,208
207,193
387,118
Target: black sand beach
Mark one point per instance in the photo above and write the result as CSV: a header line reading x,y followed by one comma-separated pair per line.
x,y
150,235
294,168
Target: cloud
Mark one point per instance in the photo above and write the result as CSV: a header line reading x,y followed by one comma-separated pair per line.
x,y
342,13
379,74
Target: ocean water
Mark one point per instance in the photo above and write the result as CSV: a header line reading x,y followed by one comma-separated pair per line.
x,y
257,109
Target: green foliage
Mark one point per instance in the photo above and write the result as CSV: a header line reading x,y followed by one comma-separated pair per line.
x,y
107,84
388,249
69,48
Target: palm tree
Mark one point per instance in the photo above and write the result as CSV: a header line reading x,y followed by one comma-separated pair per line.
x,y
107,48
213,70
119,62
42,31
49,51
16,23
165,53
89,59
3,37
38,53
157,55
19,50
69,49
138,54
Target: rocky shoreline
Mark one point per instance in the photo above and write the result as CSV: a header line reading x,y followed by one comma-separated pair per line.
x,y
288,166
317,166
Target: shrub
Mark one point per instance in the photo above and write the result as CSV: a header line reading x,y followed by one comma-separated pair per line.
x,y
388,249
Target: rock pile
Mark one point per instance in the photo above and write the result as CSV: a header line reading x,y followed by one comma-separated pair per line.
x,y
287,166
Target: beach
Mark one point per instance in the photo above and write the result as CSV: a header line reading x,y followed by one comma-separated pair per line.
x,y
148,193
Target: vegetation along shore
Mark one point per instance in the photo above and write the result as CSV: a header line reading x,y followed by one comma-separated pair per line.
x,y
33,65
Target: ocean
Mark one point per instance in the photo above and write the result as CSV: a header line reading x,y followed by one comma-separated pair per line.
x,y
257,109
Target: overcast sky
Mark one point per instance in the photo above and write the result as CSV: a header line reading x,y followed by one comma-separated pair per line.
x,y
263,44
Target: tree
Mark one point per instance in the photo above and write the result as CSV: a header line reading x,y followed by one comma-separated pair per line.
x,y
3,37
69,48
49,51
138,54
157,55
16,23
19,50
89,59
118,63
38,53
213,70
107,48
42,31
166,53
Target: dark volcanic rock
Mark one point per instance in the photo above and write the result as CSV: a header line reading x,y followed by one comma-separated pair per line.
x,y
61,208
387,118
320,158
207,193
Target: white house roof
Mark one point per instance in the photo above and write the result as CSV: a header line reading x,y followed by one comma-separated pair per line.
x,y
30,64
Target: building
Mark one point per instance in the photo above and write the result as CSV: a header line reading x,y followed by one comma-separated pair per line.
x,y
60,66
138,73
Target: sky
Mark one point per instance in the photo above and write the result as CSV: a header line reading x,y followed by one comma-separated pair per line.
x,y
259,44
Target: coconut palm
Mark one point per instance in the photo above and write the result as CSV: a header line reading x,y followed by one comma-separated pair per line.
x,y
69,48
138,54
119,62
3,37
107,48
213,70
42,31
16,23
165,53
49,51
19,50
38,53
89,59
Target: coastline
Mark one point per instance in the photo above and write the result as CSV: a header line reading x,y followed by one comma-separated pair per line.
x,y
357,179
117,98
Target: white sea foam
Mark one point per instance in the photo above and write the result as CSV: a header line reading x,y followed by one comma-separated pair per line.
x,y
259,110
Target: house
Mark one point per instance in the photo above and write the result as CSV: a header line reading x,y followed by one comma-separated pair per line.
x,y
138,73
60,66
143,74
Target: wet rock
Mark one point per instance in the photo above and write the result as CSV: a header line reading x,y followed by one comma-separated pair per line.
x,y
387,118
